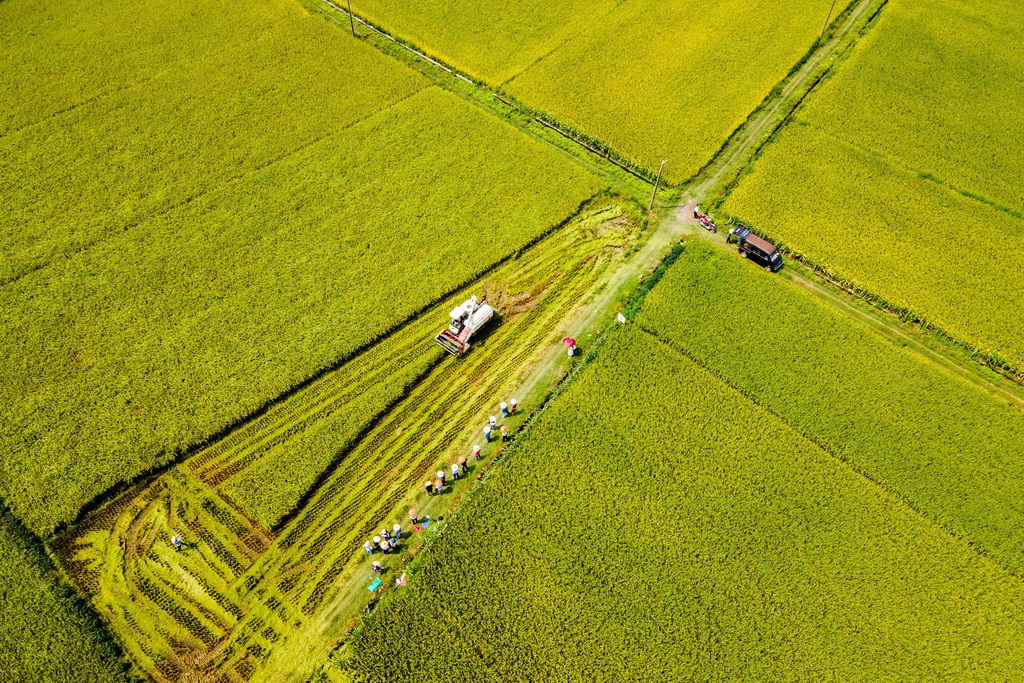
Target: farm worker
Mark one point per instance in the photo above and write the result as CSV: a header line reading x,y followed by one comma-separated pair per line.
x,y
440,476
413,517
504,409
476,452
462,462
493,422
572,350
176,542
438,486
394,544
376,540
368,547
396,531
375,566
384,546
487,433
455,471
696,211
504,432
429,486
513,405
384,534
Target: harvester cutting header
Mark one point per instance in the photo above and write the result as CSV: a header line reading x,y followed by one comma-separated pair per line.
x,y
467,319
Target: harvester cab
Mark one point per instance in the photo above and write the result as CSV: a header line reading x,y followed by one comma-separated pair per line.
x,y
466,320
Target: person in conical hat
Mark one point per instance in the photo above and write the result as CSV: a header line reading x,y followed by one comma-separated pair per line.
x,y
396,531
438,486
414,518
476,452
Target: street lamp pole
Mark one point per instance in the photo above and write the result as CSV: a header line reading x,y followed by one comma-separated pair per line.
x,y
826,19
656,183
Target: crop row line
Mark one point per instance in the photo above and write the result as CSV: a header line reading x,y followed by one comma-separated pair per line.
x,y
581,139
831,452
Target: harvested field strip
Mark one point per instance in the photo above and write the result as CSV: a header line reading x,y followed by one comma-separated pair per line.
x,y
167,607
222,606
377,362
299,413
407,446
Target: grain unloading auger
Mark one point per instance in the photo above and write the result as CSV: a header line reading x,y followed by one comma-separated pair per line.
x,y
467,319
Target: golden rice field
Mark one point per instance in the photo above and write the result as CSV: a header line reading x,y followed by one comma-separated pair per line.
x,y
152,337
254,597
659,525
653,80
230,233
902,174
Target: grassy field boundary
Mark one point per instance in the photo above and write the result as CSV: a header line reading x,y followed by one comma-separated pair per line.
x,y
151,474
827,449
840,34
906,314
581,139
837,44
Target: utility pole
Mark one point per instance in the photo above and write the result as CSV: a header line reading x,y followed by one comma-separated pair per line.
x,y
352,21
826,19
656,183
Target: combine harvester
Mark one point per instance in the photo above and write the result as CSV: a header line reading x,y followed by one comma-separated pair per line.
x,y
467,319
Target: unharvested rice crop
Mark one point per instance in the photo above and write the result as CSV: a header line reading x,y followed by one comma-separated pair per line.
x,y
110,118
47,633
951,448
657,525
654,80
169,324
671,80
244,601
488,42
902,174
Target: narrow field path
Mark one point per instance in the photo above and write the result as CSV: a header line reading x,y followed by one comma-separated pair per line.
x,y
740,149
939,354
